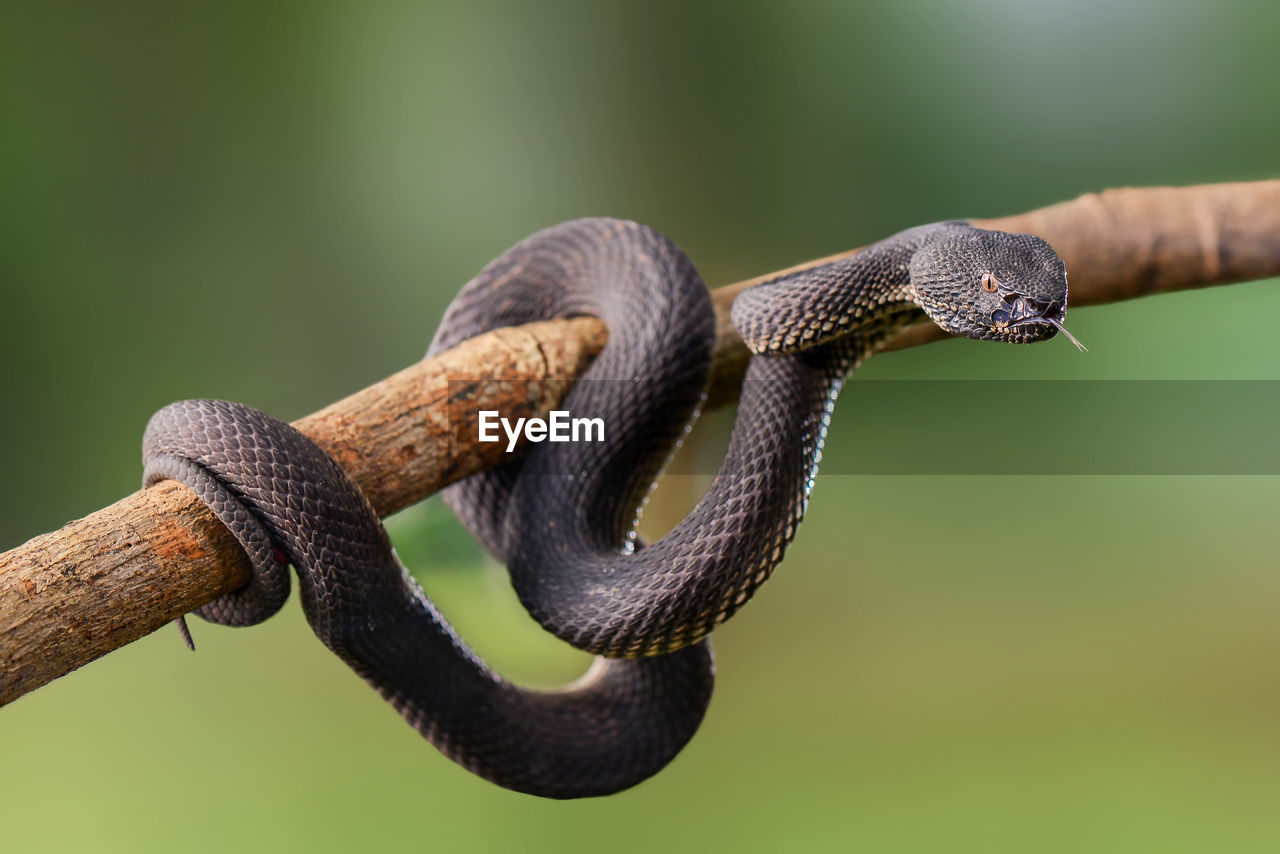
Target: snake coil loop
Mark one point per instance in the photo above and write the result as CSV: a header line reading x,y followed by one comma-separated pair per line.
x,y
563,517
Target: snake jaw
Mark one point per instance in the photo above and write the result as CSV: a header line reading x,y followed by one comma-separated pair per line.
x,y
1037,320
1041,321
1056,323
1016,320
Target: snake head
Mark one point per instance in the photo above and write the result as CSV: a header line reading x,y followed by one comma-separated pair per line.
x,y
992,285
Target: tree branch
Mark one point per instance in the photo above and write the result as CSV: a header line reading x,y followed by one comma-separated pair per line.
x,y
100,582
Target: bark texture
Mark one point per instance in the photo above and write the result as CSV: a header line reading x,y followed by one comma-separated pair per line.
x,y
100,582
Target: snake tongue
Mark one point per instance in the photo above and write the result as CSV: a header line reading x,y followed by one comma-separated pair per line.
x,y
1055,323
1063,330
1024,312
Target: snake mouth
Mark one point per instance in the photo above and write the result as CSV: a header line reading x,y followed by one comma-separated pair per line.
x,y
1018,310
1024,320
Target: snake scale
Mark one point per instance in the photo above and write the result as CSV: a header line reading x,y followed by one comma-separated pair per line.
x,y
563,518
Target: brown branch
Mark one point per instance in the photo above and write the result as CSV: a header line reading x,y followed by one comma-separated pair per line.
x,y
1117,245
72,595
100,582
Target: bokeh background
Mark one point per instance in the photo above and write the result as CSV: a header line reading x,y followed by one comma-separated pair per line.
x,y
273,202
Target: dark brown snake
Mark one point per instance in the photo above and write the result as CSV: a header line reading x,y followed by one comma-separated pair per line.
x,y
563,518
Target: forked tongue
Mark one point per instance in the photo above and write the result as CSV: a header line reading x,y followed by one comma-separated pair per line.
x,y
1063,330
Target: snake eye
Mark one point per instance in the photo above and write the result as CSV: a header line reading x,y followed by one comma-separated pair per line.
x,y
989,283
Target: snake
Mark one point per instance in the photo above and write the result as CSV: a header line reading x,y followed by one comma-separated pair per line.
x,y
563,517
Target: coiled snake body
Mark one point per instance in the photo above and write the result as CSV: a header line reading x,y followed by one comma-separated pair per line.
x,y
563,517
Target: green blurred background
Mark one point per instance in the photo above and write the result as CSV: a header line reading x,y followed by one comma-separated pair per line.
x,y
273,203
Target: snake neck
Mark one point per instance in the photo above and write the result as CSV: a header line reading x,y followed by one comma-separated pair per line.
x,y
862,300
